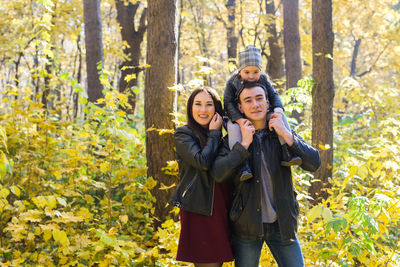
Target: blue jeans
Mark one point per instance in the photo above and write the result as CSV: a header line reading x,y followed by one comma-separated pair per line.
x,y
247,252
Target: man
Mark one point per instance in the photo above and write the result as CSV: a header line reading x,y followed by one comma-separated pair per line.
x,y
264,208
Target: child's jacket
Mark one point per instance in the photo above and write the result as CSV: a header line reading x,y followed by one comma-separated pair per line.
x,y
233,86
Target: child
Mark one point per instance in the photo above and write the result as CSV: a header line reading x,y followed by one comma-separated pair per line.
x,y
249,69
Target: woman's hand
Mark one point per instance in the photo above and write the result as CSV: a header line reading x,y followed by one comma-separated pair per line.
x,y
216,122
278,110
247,129
241,121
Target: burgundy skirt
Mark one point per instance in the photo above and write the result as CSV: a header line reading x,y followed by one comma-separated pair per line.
x,y
207,239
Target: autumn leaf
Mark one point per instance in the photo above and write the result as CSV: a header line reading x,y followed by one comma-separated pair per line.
x,y
60,237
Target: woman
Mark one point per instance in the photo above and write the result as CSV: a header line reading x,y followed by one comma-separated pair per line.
x,y
205,236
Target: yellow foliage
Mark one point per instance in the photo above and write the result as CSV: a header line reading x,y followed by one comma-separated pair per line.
x,y
60,178
4,192
104,167
150,183
60,237
31,216
123,218
55,188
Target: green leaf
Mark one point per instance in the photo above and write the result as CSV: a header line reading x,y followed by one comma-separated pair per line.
x,y
4,165
355,249
62,201
315,212
64,76
135,90
337,224
346,240
369,244
326,254
327,214
99,65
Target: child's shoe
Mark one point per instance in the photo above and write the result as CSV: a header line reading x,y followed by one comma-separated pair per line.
x,y
245,173
288,159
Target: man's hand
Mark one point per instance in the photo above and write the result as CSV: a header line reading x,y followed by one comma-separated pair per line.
x,y
216,122
247,129
276,123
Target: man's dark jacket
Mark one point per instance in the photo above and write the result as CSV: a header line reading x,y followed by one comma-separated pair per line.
x,y
195,192
245,211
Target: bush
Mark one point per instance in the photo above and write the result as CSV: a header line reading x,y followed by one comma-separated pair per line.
x,y
73,193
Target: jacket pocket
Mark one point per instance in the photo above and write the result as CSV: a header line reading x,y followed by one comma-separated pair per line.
x,y
236,209
237,204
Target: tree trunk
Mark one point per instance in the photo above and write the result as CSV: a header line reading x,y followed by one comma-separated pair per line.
x,y
46,88
94,47
291,38
36,65
16,75
159,100
50,94
274,63
180,75
78,78
231,32
322,94
134,38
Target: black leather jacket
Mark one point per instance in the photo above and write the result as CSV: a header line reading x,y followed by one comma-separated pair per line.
x,y
245,211
195,192
232,88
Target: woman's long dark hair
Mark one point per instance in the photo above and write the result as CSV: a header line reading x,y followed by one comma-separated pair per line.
x,y
201,132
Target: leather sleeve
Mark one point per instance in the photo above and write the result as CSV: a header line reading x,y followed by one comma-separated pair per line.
x,y
189,150
227,161
230,105
309,155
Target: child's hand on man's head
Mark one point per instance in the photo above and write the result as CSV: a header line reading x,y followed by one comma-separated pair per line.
x,y
276,123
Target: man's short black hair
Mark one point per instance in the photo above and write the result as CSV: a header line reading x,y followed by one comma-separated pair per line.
x,y
247,84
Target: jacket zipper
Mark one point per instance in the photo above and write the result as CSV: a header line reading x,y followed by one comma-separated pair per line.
x,y
187,188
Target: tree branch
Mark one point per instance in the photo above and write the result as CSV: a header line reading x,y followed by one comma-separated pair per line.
x,y
353,65
374,63
219,15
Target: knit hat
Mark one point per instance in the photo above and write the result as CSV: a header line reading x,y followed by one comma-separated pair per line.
x,y
251,56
